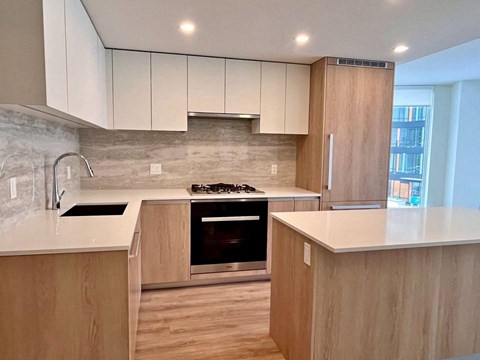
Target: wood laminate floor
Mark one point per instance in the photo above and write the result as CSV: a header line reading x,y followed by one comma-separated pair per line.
x,y
206,323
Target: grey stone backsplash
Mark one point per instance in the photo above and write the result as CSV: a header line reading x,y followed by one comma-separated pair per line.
x,y
25,138
211,150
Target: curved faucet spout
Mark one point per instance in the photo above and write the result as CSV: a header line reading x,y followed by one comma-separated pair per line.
x,y
56,195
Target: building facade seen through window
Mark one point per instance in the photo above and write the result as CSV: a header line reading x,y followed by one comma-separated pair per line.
x,y
407,155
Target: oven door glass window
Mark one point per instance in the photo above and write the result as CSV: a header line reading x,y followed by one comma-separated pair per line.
x,y
230,232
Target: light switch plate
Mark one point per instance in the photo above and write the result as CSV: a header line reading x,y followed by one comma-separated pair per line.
x,y
155,169
274,169
69,172
13,188
307,250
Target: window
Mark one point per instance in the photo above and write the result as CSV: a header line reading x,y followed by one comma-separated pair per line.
x,y
410,117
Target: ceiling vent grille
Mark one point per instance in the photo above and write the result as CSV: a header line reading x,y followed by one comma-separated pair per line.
x,y
363,63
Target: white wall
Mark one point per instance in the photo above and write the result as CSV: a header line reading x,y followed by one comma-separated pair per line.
x,y
462,177
439,131
453,176
452,144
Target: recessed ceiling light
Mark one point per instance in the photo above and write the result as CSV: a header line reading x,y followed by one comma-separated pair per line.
x,y
187,27
302,39
400,49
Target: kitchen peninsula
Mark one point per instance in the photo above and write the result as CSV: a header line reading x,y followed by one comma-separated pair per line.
x,y
76,281
382,284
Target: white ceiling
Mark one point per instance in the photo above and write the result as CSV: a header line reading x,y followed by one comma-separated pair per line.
x,y
265,29
458,63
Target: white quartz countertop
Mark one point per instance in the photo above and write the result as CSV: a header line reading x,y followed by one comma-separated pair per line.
x,y
368,230
46,232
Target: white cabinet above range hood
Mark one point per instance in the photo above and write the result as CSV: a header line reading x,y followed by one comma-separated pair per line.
x,y
219,86
274,95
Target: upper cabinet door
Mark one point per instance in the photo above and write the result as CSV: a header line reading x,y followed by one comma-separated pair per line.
x,y
242,87
297,99
55,54
109,86
169,92
101,104
272,110
206,84
81,62
131,90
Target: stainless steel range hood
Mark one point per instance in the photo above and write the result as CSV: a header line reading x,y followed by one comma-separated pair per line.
x,y
223,116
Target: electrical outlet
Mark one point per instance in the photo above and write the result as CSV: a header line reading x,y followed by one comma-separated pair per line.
x,y
274,169
13,188
69,172
307,250
155,169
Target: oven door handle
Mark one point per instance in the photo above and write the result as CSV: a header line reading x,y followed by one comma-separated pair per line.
x,y
230,218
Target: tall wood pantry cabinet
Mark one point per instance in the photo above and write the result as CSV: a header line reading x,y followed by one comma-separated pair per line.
x,y
346,154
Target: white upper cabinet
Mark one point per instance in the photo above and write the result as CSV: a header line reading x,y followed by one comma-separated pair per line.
x,y
55,54
109,87
297,99
101,103
272,107
206,84
242,87
285,94
53,63
169,92
82,62
131,90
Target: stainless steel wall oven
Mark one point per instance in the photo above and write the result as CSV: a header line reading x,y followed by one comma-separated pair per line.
x,y
228,235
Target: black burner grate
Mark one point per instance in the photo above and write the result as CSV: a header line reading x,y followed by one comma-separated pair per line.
x,y
222,188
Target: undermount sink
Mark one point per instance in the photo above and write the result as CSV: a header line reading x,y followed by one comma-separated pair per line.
x,y
96,210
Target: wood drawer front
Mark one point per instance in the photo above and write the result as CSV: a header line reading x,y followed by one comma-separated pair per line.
x,y
354,205
307,204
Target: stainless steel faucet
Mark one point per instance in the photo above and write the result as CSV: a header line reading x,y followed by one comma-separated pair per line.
x,y
56,195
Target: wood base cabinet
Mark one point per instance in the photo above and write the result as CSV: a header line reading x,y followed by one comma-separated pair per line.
x,y
345,156
416,303
134,287
166,241
286,205
68,306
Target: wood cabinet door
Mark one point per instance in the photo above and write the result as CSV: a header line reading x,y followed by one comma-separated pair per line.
x,y
357,133
169,92
272,106
297,99
131,90
242,87
307,204
135,287
165,242
275,206
206,84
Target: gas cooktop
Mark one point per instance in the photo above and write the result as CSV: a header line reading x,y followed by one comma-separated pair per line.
x,y
221,188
